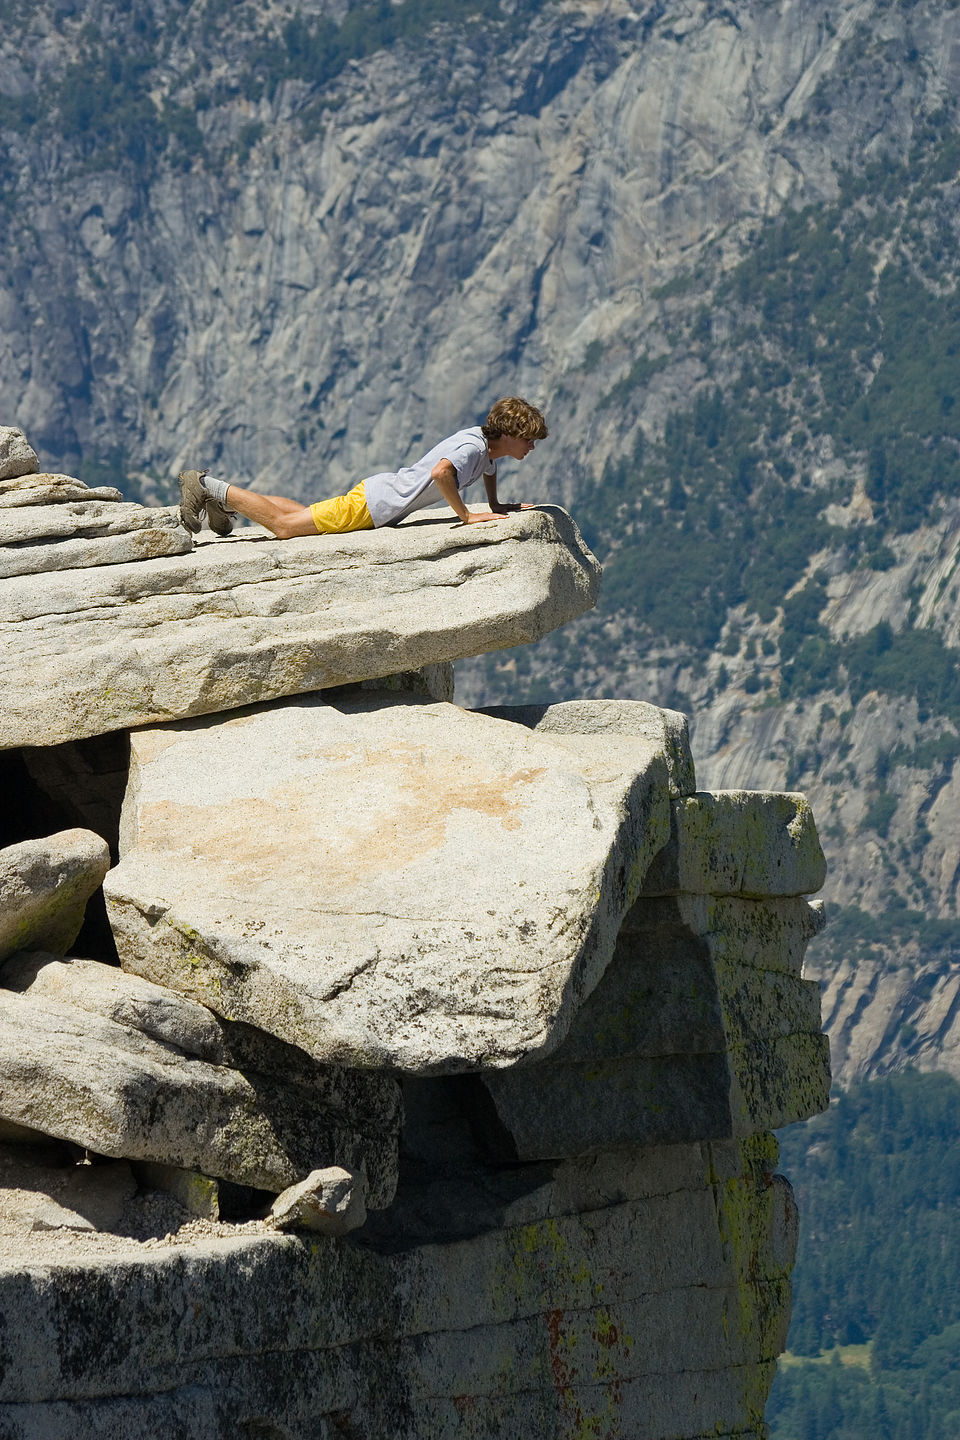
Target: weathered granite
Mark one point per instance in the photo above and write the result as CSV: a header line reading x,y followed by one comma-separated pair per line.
x,y
681,1040
44,888
38,539
739,842
577,960
116,1091
771,934
17,455
384,881
701,1027
51,489
126,999
328,1202
644,1294
667,730
250,618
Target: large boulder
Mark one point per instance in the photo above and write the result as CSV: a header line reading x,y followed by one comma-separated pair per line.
x,y
44,888
105,1060
250,618
384,881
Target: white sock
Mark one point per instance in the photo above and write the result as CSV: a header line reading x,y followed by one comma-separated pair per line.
x,y
217,488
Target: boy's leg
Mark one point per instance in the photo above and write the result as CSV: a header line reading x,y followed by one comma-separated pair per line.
x,y
285,518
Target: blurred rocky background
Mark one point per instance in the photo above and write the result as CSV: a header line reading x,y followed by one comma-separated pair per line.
x,y
716,242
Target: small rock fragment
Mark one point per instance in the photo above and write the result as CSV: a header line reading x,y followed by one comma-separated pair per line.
x,y
17,455
346,922
329,1202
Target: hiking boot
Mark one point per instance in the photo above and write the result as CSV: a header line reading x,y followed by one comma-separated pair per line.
x,y
217,518
193,499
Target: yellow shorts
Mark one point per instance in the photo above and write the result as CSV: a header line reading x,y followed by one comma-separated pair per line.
x,y
342,513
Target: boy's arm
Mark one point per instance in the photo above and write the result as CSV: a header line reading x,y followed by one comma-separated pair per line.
x,y
444,476
500,506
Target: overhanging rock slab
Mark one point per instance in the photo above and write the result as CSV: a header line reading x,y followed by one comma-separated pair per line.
x,y
384,881
249,618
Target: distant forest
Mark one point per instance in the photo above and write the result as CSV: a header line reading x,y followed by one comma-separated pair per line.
x,y
874,1347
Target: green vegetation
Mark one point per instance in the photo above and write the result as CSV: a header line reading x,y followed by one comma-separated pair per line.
x,y
875,1336
837,339
317,50
943,750
913,662
709,525
105,104
854,934
879,813
844,331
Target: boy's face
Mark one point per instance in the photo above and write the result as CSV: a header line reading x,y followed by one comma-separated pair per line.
x,y
516,446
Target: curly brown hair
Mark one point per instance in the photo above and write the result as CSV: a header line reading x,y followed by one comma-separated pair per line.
x,y
513,416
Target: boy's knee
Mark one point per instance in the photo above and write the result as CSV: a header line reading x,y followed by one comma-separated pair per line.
x,y
296,524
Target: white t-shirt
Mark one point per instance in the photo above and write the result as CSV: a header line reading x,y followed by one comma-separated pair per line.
x,y
393,495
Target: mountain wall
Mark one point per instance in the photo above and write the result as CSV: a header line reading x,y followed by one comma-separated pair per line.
x,y
318,277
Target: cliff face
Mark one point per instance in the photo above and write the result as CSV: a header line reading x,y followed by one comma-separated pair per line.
x,y
432,1093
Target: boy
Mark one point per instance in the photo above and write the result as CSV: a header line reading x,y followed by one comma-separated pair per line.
x,y
510,430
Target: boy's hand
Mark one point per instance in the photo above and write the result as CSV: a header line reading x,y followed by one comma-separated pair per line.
x,y
503,506
473,516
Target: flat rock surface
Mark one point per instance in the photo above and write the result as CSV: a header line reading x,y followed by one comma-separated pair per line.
x,y
248,619
51,489
77,534
44,888
383,881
